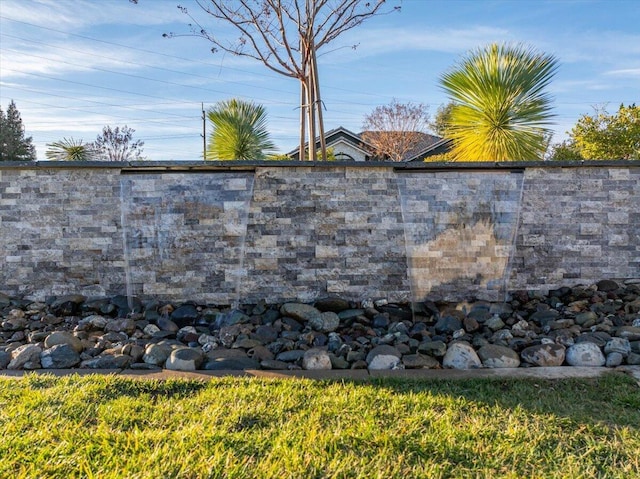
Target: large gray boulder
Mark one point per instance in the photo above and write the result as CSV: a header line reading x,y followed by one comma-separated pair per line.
x,y
461,355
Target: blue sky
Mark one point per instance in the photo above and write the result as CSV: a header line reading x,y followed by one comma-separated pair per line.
x,y
74,66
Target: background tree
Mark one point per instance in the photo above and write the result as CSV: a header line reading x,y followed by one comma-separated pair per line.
x,y
13,144
285,35
608,137
239,131
116,144
395,129
565,151
70,150
442,119
502,110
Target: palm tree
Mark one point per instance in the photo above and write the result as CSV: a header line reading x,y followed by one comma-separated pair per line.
x,y
501,109
239,131
70,150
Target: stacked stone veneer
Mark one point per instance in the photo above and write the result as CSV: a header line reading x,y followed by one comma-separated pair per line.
x,y
279,233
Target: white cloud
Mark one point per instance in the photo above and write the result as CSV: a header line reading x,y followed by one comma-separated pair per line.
x,y
625,73
375,41
80,14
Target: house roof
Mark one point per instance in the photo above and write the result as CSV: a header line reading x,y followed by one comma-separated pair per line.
x,y
428,145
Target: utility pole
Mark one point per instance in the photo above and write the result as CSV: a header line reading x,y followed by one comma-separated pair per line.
x,y
204,134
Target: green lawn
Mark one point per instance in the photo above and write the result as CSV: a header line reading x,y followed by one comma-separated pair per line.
x,y
108,427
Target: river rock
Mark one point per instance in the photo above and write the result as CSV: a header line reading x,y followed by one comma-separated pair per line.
x,y
544,355
326,322
95,322
26,356
184,315
5,359
384,357
63,337
59,356
300,311
290,356
107,361
632,333
274,365
121,325
448,325
436,349
633,359
614,360
420,361
165,324
316,359
494,356
332,304
158,353
184,359
230,364
461,355
586,319
618,345
607,285
494,323
585,354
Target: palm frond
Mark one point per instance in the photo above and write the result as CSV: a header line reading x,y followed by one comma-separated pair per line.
x,y
501,110
239,131
69,149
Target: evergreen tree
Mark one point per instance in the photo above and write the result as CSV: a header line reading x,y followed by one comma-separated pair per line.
x,y
13,144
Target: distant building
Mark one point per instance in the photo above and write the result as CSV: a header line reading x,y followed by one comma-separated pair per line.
x,y
349,146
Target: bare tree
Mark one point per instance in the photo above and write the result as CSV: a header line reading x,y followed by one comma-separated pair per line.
x,y
285,35
117,144
395,129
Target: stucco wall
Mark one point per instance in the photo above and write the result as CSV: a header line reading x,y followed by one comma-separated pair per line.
x,y
219,235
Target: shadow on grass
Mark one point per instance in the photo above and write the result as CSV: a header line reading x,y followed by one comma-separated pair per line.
x,y
612,399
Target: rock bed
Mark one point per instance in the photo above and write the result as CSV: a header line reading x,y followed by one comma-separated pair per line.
x,y
597,325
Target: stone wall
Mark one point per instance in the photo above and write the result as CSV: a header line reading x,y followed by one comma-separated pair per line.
x,y
220,233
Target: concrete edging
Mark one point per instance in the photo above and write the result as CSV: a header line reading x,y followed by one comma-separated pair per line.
x,y
542,373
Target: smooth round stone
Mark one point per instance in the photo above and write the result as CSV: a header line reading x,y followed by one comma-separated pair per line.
x,y
384,357
107,361
585,354
419,361
436,349
326,322
59,356
121,325
494,323
494,356
586,319
618,345
290,356
316,359
632,333
544,355
448,325
63,337
184,315
300,311
332,304
274,365
157,354
28,354
614,360
607,285
461,355
184,359
230,364
166,324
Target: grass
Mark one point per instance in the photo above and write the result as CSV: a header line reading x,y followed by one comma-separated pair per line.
x,y
110,427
